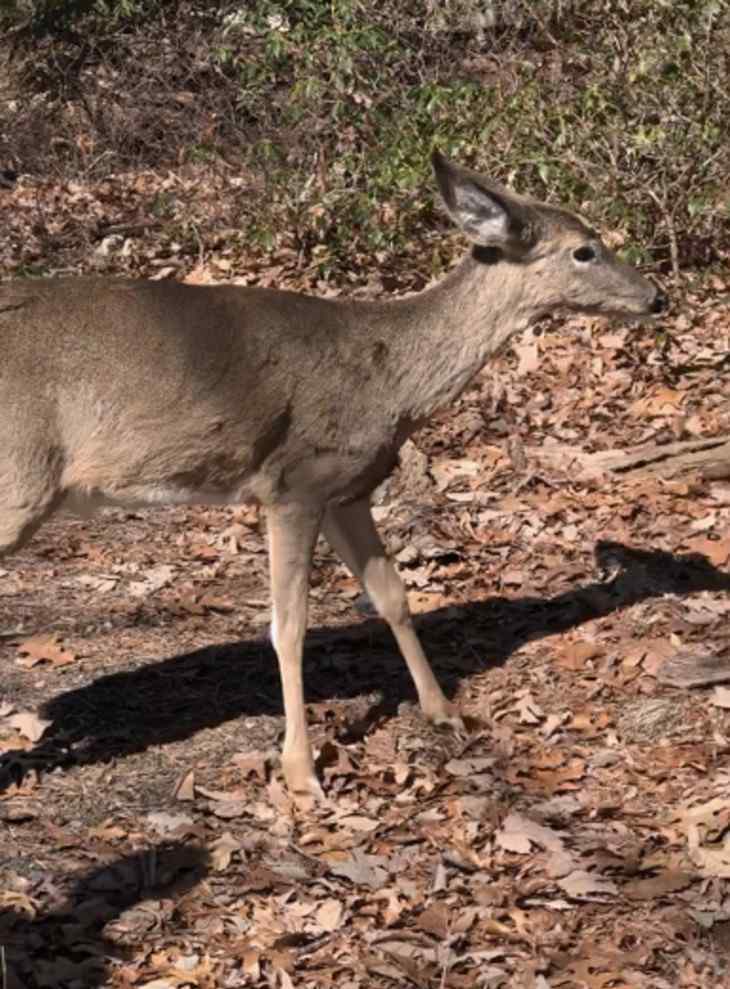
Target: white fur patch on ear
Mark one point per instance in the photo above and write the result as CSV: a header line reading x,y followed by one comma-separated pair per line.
x,y
482,218
487,213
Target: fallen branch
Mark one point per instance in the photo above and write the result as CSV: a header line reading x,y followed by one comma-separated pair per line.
x,y
708,458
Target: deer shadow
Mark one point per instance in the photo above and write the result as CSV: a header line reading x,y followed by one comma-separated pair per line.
x,y
66,944
172,699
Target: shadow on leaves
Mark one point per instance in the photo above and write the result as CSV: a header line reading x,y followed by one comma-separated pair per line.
x,y
93,916
169,700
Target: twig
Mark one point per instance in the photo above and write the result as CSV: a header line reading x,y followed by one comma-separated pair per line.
x,y
447,957
671,233
201,248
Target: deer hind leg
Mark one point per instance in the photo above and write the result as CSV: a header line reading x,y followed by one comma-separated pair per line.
x,y
29,491
293,531
350,531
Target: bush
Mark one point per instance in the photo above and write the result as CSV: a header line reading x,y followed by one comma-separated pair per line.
x,y
331,106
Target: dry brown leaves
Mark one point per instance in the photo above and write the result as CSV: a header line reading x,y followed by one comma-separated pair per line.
x,y
576,836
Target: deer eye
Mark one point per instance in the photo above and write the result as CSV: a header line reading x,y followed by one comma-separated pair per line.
x,y
584,254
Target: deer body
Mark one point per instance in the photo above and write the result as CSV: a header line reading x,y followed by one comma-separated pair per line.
x,y
159,392
141,393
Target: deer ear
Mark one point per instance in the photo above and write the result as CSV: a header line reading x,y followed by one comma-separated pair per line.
x,y
486,214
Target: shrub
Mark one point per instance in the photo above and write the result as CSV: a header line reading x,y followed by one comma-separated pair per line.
x,y
331,109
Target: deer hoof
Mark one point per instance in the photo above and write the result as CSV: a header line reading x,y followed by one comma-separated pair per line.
x,y
302,783
448,716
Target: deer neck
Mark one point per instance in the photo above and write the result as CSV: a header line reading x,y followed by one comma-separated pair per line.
x,y
443,336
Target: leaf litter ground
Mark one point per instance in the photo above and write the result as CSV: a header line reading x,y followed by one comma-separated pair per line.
x,y
577,835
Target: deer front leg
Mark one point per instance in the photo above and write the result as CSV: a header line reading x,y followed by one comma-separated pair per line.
x,y
293,531
350,531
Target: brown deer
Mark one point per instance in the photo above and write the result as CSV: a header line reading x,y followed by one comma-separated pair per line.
x,y
142,392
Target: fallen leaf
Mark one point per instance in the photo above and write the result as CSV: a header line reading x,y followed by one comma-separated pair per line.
x,y
706,820
440,878
475,807
713,862
101,582
581,885
393,905
251,964
221,851
357,822
434,920
330,914
574,656
470,766
662,401
613,341
203,551
214,602
17,811
199,275
251,763
649,654
552,723
185,789
717,551
154,580
108,831
361,869
278,797
593,972
29,724
229,809
660,885
590,720
18,902
721,697
560,863
564,778
44,649
169,824
529,357
708,843
447,471
285,980
528,709
519,833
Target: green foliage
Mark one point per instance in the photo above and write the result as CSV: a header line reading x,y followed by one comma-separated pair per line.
x,y
616,108
58,18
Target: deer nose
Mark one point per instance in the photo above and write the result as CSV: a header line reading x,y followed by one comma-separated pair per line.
x,y
659,303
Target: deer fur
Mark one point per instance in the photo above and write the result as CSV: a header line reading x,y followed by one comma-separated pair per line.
x,y
139,393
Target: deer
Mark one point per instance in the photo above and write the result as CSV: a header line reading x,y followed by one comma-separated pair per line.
x,y
124,392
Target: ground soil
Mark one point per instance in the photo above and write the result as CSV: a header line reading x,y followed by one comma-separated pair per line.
x,y
575,835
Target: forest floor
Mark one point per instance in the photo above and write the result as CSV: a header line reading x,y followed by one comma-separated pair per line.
x,y
577,835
